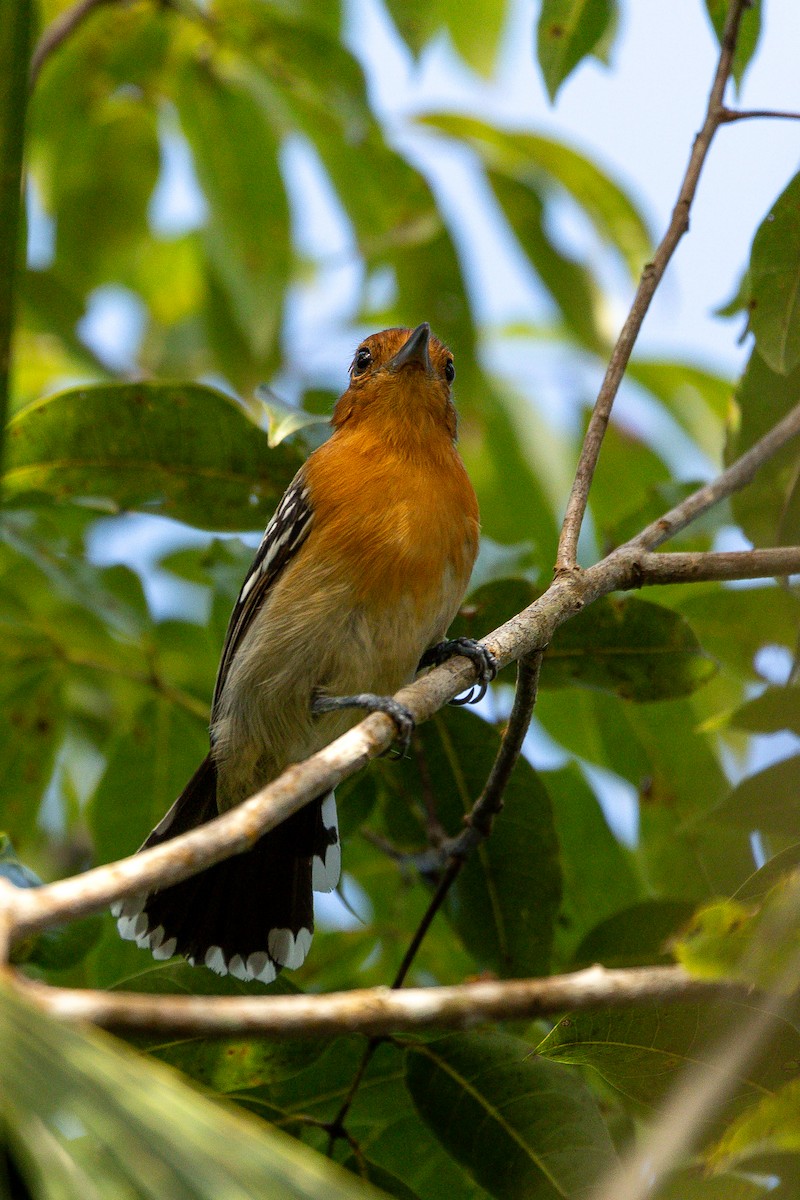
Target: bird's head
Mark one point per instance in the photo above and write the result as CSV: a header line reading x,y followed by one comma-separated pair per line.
x,y
402,378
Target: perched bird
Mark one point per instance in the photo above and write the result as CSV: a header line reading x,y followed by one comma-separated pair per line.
x,y
359,573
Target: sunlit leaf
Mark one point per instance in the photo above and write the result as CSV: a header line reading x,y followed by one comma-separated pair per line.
x,y
775,282
185,451
749,32
87,1115
569,30
554,167
770,1126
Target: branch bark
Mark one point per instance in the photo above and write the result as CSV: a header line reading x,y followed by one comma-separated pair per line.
x,y
377,1011
649,281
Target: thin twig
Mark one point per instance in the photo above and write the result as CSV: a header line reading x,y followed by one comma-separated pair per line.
x,y
377,1011
650,279
58,31
750,114
478,827
733,479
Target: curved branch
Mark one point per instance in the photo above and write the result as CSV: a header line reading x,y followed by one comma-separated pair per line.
x,y
650,279
377,1011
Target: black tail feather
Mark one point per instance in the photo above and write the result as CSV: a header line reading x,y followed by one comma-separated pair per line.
x,y
250,915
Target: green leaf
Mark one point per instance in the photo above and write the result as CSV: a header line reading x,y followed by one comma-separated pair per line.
x,y
749,32
764,508
641,1051
504,902
184,451
554,168
88,1116
285,419
475,27
148,767
754,942
569,30
756,886
383,1119
770,1126
236,155
635,937
519,1124
768,800
775,282
634,648
570,283
775,710
697,399
695,1185
596,885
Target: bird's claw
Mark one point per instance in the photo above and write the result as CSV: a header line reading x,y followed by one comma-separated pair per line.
x,y
483,660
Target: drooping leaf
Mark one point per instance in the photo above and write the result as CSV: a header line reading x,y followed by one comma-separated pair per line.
x,y
236,155
87,1115
775,282
764,508
184,451
749,32
568,30
474,27
569,282
148,767
697,399
519,1124
637,649
555,168
596,884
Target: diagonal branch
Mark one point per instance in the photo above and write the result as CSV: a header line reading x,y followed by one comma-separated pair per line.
x,y
58,31
650,279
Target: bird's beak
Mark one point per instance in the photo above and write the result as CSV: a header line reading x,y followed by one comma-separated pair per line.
x,y
414,351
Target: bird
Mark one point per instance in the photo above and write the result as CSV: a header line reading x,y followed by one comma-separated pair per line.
x,y
357,578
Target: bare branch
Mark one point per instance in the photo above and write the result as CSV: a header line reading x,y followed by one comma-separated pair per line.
x,y
736,564
738,114
57,33
650,279
377,1011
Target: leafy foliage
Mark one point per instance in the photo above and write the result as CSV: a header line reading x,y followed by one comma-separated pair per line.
x,y
654,715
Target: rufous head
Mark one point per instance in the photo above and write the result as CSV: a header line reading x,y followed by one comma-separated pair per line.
x,y
401,377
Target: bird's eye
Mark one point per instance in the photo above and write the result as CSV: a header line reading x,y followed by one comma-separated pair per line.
x,y
361,361
449,370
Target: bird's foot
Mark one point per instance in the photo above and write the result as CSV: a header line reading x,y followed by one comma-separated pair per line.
x,y
403,720
484,661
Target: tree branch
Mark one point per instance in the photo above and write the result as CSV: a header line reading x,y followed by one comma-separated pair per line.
x,y
728,115
376,1011
650,279
57,33
701,567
